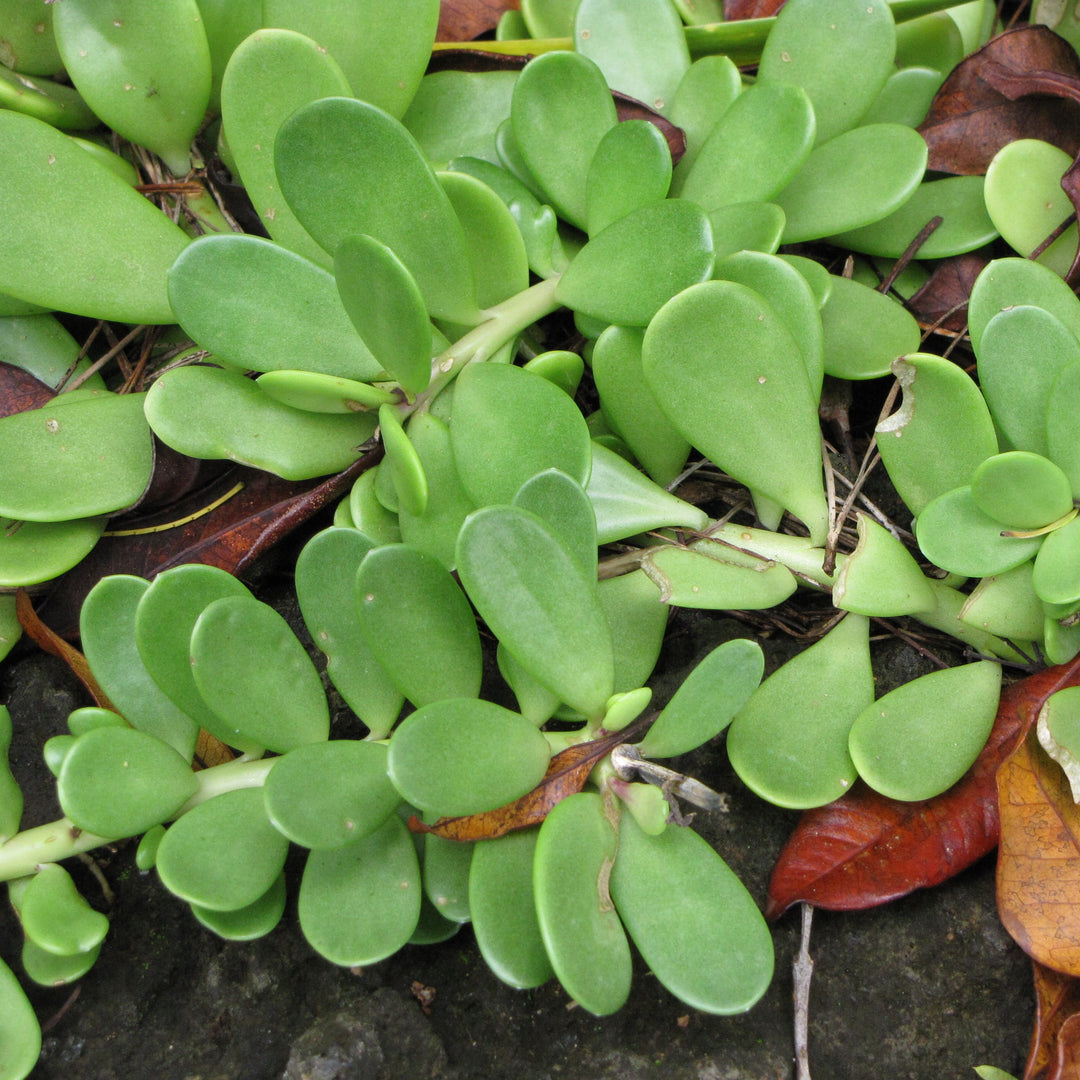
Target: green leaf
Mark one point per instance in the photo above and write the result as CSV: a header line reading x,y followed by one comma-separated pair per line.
x,y
461,756
1056,577
939,435
164,618
75,460
403,464
693,921
269,76
144,71
715,577
227,23
575,854
638,621
367,512
259,306
224,854
560,111
1062,446
510,424
918,740
789,743
418,624
708,698
864,330
256,677
118,782
703,95
730,376
1022,352
37,552
314,392
29,45
956,535
748,226
565,508
533,594
630,408
1005,604
965,224
503,909
497,254
211,412
445,873
20,1034
549,18
76,237
630,169
55,916
755,148
839,51
1009,283
331,793
107,633
360,903
326,572
782,286
40,345
456,113
11,797
1026,203
346,168
1021,490
639,46
49,969
626,273
382,46
256,920
854,179
880,577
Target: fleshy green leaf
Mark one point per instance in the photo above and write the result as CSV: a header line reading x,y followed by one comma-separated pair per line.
x,y
118,782
247,923
730,376
694,922
360,903
462,756
346,168
418,624
533,594
789,743
630,169
259,306
329,794
918,740
224,854
56,917
76,237
36,552
256,677
881,577
20,1033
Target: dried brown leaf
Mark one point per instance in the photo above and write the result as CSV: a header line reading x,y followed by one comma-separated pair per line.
x,y
463,20
1057,1003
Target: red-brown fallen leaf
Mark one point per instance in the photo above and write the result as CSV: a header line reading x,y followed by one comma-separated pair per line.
x,y
19,391
970,120
942,302
865,849
52,643
750,9
251,511
462,20
1038,870
1053,1051
566,775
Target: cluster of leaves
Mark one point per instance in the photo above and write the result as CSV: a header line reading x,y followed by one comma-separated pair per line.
x,y
419,230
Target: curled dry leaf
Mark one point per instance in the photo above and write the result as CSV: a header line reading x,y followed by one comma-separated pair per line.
x,y
462,20
865,849
1038,872
750,9
566,775
1055,1049
970,120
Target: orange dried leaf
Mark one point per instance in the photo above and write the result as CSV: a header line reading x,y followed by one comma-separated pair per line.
x,y
1038,872
1057,999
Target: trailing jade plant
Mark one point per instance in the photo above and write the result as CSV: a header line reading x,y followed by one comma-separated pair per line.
x,y
395,318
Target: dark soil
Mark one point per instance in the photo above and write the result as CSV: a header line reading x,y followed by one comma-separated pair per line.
x,y
924,988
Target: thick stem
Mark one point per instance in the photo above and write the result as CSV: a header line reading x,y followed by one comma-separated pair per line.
x,y
504,322
29,850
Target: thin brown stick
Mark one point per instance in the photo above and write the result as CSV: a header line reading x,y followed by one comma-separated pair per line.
x,y
803,970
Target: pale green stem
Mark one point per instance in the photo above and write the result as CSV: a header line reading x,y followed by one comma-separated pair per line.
x,y
28,851
503,323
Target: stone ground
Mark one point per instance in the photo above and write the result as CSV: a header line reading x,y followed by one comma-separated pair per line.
x,y
921,989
